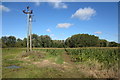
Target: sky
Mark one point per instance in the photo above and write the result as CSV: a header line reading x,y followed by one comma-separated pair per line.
x,y
61,20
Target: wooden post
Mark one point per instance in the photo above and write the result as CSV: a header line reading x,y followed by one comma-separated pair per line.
x,y
29,29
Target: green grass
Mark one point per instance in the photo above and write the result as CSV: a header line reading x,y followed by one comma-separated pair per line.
x,y
11,53
29,71
59,60
11,62
10,57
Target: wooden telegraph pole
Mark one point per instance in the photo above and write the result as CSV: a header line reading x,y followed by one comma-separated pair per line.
x,y
29,29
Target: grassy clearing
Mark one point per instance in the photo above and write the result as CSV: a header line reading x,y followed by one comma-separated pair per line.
x,y
56,63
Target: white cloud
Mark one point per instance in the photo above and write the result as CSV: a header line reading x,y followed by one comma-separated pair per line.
x,y
84,13
57,4
3,8
64,25
48,30
54,3
98,32
53,0
37,2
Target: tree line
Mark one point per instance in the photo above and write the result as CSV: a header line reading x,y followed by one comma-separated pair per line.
x,y
45,41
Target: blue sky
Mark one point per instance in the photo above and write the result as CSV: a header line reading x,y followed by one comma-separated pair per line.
x,y
62,20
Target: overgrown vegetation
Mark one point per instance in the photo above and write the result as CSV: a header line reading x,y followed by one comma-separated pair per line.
x,y
44,41
61,63
106,56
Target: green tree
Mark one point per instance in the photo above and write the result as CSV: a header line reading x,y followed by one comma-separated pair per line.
x,y
67,42
4,41
11,41
82,40
19,43
45,41
113,44
57,43
35,40
8,41
102,43
24,42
